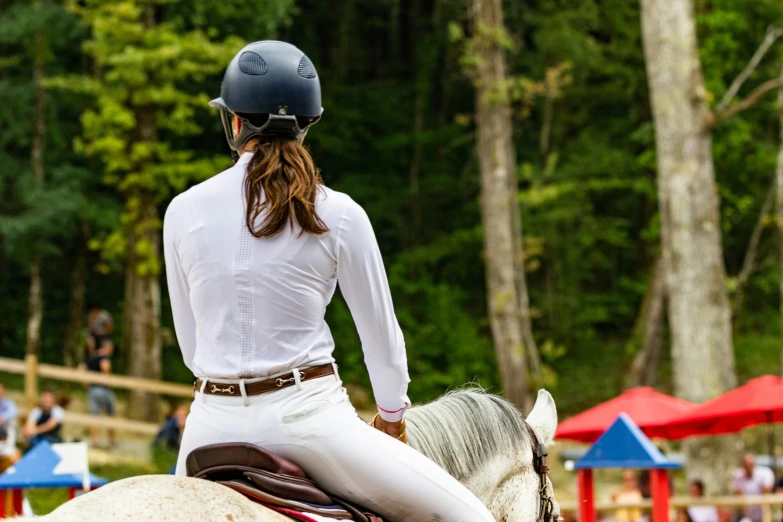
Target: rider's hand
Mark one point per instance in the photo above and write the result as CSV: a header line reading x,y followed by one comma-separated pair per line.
x,y
394,429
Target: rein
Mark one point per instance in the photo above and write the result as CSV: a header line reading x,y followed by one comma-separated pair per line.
x,y
545,504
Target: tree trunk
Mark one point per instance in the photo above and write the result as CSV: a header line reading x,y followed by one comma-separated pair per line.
x,y
699,310
546,129
779,216
342,42
499,205
414,186
520,282
35,300
142,282
142,307
649,328
420,88
73,352
34,310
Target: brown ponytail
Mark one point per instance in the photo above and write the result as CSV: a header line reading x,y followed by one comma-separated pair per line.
x,y
283,182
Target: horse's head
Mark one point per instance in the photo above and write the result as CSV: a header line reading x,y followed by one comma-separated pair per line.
x,y
484,442
523,495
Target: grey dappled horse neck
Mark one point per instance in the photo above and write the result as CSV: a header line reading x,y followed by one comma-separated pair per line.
x,y
482,440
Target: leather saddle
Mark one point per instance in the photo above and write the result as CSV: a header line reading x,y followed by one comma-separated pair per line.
x,y
270,480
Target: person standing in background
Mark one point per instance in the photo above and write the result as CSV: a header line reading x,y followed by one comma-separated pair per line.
x,y
751,479
100,348
100,327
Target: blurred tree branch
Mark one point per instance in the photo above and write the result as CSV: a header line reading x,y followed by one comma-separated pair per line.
x,y
650,329
752,99
749,262
724,111
773,33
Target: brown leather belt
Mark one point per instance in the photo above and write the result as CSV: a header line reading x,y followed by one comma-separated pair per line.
x,y
259,387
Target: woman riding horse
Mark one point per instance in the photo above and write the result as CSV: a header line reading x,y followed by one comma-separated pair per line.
x,y
253,256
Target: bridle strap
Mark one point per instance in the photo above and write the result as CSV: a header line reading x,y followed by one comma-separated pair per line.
x,y
545,505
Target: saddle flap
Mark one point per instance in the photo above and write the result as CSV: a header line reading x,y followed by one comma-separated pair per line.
x,y
268,479
288,487
264,497
239,454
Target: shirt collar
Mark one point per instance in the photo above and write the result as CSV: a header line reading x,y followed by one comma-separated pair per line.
x,y
244,159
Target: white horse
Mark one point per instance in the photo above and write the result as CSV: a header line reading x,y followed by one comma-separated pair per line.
x,y
480,439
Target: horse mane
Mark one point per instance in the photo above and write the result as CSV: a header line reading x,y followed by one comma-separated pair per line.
x,y
465,429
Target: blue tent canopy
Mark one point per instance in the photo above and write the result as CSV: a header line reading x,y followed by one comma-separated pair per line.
x,y
624,445
38,469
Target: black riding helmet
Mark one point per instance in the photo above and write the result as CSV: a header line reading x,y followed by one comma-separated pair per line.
x,y
273,87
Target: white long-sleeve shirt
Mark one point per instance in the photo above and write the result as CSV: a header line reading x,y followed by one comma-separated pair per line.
x,y
247,307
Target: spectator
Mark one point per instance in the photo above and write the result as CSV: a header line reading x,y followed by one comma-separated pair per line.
x,y
628,492
8,410
700,513
751,479
8,452
101,399
100,327
8,414
725,514
45,421
167,441
169,434
683,515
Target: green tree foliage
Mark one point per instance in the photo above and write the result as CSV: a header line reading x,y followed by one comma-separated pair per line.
x,y
745,147
397,135
39,221
144,68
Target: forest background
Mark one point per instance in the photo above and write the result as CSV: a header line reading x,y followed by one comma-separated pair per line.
x,y
103,119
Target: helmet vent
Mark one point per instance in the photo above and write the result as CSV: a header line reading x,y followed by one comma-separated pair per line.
x,y
253,64
306,68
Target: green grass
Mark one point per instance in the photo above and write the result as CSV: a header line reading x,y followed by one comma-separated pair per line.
x,y
44,501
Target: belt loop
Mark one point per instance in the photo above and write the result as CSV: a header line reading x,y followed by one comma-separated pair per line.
x,y
297,379
201,391
243,392
336,375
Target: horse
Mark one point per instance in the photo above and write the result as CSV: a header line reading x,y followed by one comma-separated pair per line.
x,y
480,439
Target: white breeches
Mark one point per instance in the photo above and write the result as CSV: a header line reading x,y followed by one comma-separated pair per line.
x,y
315,426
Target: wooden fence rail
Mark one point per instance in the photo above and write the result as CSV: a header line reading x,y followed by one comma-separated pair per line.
x,y
76,418
766,502
32,370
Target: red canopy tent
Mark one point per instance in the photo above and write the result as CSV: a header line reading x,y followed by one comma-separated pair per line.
x,y
649,409
757,402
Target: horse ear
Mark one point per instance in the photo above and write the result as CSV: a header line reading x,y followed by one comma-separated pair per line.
x,y
543,418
